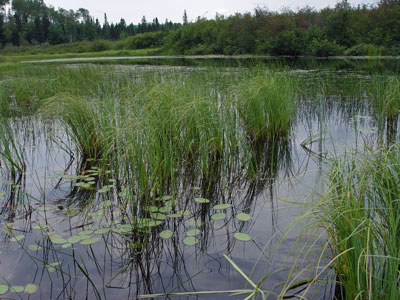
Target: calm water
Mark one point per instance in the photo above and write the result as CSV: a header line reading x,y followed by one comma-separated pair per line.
x,y
117,264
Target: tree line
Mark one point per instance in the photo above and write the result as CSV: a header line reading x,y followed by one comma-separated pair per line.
x,y
33,22
343,29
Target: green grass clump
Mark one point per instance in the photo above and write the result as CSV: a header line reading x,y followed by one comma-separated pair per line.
x,y
361,214
11,152
385,94
81,122
266,105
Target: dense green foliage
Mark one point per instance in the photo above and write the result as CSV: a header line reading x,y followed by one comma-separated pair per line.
x,y
360,30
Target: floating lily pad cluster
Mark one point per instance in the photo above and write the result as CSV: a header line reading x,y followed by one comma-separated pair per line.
x,y
30,289
191,238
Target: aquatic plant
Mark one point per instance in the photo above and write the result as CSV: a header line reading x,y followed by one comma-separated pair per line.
x,y
360,213
266,105
80,120
11,152
385,94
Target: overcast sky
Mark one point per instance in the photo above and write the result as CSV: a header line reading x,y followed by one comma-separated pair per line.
x,y
133,10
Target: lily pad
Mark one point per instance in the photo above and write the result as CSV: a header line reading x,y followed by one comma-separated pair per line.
x,y
152,223
39,227
59,241
102,230
17,238
106,203
190,241
85,232
34,247
158,216
201,200
73,177
90,241
163,198
175,215
243,217
242,236
85,237
222,206
151,208
31,288
193,232
219,216
104,189
3,289
74,239
166,234
166,209
17,289
66,245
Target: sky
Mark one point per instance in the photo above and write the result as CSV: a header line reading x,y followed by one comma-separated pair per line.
x,y
134,10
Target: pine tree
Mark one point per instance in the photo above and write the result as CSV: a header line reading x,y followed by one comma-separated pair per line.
x,y
185,18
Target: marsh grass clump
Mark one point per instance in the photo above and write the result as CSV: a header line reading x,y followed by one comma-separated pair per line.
x,y
11,152
81,122
265,105
385,94
360,212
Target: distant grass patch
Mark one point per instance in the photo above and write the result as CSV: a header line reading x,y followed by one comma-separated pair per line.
x,y
12,57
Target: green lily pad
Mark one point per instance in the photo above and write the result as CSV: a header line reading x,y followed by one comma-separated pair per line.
x,y
166,234
39,227
3,289
31,288
201,200
17,238
85,232
90,241
102,230
90,179
242,236
219,216
66,245
17,289
243,217
85,237
50,269
151,208
59,241
222,206
74,239
34,247
190,241
163,198
175,215
193,232
165,209
106,203
73,177
104,189
152,223
158,216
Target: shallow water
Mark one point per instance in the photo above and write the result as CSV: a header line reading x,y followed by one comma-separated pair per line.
x,y
121,263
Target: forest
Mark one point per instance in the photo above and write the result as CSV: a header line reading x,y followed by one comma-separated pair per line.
x,y
342,30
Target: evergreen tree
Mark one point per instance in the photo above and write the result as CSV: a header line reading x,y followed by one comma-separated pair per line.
x,y
185,18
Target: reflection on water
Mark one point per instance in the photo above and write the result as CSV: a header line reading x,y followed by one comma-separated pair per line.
x,y
89,242
374,65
